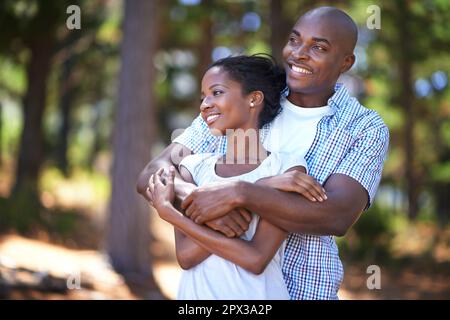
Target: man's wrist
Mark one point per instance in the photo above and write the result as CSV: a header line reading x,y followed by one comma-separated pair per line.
x,y
240,196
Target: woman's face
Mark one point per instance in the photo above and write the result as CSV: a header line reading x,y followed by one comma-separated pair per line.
x,y
222,104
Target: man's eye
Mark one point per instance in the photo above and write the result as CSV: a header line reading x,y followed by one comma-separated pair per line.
x,y
320,48
217,92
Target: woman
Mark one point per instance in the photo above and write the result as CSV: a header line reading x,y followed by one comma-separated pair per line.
x,y
239,96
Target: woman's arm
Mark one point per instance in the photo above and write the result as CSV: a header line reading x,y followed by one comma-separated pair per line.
x,y
189,253
171,156
253,255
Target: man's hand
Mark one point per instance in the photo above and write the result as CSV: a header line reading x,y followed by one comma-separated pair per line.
x,y
296,181
234,224
212,201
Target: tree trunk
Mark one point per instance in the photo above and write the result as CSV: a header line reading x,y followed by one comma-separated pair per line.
x,y
280,30
207,44
128,240
407,102
66,98
1,136
31,143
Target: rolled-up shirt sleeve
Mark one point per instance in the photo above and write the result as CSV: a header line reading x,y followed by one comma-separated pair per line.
x,y
365,159
198,138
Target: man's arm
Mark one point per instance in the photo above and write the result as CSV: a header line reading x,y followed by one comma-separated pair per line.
x,y
346,199
349,191
233,225
171,156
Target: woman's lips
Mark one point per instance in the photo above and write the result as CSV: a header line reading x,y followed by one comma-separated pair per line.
x,y
212,118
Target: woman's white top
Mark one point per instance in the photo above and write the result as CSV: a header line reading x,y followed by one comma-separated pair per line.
x,y
218,278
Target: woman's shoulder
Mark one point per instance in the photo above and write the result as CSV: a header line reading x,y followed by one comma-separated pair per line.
x,y
195,163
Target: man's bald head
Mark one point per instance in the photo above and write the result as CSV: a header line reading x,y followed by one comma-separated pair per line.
x,y
338,21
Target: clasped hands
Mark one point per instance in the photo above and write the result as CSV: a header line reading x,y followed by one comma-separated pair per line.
x,y
218,205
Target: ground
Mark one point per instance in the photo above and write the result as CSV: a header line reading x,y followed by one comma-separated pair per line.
x,y
79,258
99,281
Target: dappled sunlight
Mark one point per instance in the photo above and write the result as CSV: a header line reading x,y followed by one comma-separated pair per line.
x,y
82,190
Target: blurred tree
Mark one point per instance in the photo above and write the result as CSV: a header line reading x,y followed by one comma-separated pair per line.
x,y
29,28
67,94
128,240
417,27
39,37
79,54
1,135
280,26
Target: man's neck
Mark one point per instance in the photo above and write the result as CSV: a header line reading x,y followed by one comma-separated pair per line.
x,y
314,100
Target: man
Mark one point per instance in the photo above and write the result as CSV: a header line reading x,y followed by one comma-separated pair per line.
x,y
344,144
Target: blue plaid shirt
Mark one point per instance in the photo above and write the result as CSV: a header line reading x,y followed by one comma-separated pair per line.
x,y
353,141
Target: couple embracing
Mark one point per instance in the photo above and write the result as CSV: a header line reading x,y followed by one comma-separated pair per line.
x,y
278,163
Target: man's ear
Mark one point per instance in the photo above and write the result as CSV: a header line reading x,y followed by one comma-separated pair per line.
x,y
349,60
257,97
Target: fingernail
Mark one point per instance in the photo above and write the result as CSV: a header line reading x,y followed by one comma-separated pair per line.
x,y
325,197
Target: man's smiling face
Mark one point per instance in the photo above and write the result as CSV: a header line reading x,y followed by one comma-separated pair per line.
x,y
317,52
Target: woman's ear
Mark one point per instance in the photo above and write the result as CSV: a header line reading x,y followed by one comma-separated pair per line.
x,y
256,98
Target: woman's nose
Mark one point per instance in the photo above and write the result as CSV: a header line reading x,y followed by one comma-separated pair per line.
x,y
205,103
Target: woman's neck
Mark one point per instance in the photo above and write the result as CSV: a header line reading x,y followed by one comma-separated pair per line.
x,y
244,147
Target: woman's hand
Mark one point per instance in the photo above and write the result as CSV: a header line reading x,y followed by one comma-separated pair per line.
x,y
161,190
297,181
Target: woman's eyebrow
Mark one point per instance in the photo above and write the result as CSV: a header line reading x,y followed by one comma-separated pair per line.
x,y
218,84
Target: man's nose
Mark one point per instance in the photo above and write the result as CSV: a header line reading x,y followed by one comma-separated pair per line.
x,y
301,53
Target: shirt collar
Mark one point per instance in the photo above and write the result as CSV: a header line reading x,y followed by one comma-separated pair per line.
x,y
336,101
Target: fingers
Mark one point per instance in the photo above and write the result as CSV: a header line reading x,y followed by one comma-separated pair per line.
x,y
171,177
317,189
160,171
189,210
228,232
231,224
245,214
303,189
310,188
149,196
239,219
187,202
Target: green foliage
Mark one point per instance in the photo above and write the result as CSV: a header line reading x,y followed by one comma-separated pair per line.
x,y
22,211
370,237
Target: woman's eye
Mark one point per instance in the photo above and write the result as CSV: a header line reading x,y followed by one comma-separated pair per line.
x,y
217,92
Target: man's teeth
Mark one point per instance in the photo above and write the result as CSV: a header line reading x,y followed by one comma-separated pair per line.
x,y
212,117
300,70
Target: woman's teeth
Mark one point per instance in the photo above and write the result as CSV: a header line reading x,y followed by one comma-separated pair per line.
x,y
212,118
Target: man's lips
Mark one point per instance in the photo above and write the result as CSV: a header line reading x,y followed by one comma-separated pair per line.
x,y
300,70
